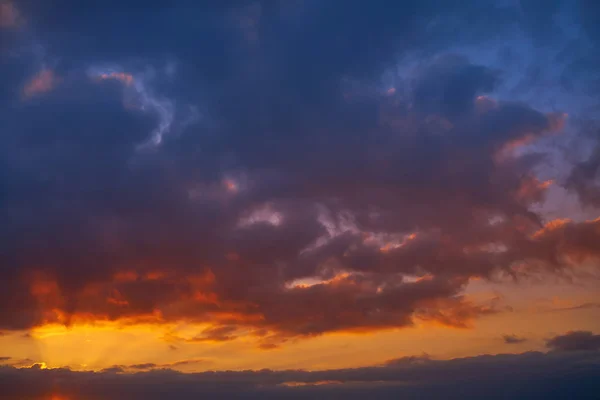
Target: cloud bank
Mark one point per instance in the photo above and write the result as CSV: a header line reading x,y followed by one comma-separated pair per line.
x,y
528,375
280,178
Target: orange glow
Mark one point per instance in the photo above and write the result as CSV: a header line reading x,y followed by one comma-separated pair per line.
x,y
551,226
44,81
202,280
509,148
122,77
425,278
230,185
532,187
208,298
154,276
557,121
393,244
125,276
340,278
117,299
58,397
41,288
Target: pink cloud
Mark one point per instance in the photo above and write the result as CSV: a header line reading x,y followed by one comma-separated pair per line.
x,y
44,81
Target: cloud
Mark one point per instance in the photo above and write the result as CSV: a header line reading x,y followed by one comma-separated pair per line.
x,y
139,95
309,198
16,362
44,81
585,179
409,360
152,366
216,334
575,341
528,375
9,15
513,339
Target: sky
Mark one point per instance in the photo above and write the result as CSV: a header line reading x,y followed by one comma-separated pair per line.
x,y
299,199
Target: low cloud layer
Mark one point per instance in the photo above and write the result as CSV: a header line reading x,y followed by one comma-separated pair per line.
x,y
528,375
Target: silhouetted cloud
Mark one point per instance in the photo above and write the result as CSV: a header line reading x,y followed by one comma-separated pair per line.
x,y
142,366
513,339
409,360
575,341
585,178
529,375
152,366
218,334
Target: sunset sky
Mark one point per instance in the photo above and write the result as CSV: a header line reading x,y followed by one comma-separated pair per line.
x,y
309,198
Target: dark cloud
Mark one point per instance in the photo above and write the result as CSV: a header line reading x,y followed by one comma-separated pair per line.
x,y
585,179
152,366
409,360
273,170
513,339
529,375
217,334
449,87
143,366
16,362
113,370
575,341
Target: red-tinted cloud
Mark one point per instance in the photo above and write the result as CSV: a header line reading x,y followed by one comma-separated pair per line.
x,y
310,200
44,81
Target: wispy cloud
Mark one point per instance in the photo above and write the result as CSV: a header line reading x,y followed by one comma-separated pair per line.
x,y
138,94
44,81
513,339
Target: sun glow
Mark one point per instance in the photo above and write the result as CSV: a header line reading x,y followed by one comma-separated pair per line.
x,y
59,397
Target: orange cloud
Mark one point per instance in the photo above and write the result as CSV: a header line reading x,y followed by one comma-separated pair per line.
x,y
44,81
452,312
122,77
532,189
550,226
125,276
555,124
231,185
